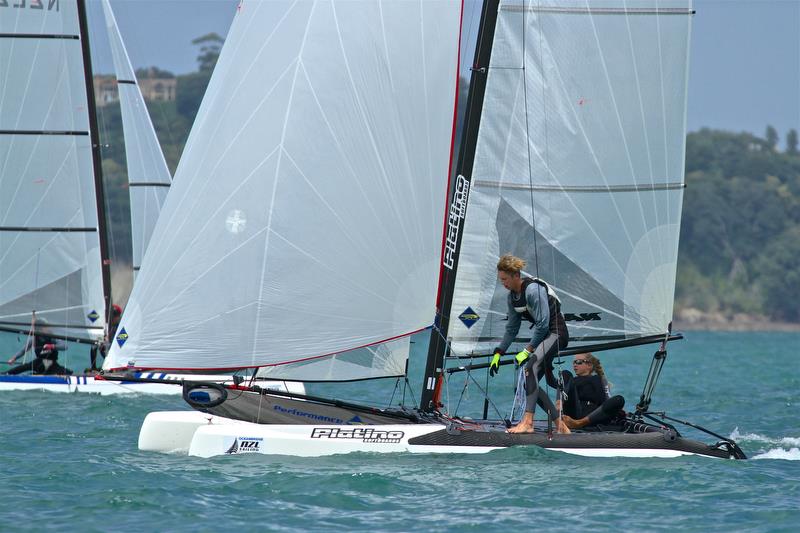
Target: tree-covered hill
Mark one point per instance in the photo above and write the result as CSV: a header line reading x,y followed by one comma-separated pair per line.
x,y
740,235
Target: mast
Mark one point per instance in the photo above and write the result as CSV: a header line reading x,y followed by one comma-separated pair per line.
x,y
437,349
96,158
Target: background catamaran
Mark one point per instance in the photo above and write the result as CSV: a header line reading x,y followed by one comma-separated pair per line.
x,y
572,157
54,257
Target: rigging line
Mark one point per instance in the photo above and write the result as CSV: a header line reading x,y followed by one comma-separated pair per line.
x,y
364,248
661,287
602,175
528,133
589,225
622,134
172,235
374,144
546,160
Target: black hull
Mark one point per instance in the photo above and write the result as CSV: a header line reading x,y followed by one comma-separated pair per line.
x,y
650,440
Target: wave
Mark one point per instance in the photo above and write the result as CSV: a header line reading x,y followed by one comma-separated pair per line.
x,y
755,437
792,443
779,453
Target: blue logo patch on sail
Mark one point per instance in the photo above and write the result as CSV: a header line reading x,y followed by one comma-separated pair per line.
x,y
93,316
355,420
122,337
469,317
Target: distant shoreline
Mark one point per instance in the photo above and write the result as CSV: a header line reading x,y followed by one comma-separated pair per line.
x,y
678,326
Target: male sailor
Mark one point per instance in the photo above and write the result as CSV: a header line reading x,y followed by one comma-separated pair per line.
x,y
533,300
45,348
115,314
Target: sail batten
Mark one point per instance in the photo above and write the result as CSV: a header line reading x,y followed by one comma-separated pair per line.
x,y
303,223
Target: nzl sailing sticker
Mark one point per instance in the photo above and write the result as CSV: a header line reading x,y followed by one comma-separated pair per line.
x,y
245,445
122,337
93,316
458,208
368,435
469,317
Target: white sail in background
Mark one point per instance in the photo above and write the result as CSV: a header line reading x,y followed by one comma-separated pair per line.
x,y
579,167
148,175
49,240
306,215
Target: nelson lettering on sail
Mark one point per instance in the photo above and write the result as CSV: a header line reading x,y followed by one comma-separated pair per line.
x,y
52,5
577,191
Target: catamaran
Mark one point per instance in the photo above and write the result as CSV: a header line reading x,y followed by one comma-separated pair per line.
x,y
54,259
305,234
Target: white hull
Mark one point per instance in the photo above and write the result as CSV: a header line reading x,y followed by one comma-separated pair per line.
x,y
206,435
93,385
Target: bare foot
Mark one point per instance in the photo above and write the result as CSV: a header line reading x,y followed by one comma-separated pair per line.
x,y
568,421
562,427
522,427
575,424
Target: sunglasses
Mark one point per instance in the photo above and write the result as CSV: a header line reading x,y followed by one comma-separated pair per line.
x,y
581,362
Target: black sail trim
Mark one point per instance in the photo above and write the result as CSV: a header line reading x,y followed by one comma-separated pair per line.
x,y
149,184
42,132
600,10
51,325
39,36
47,229
129,82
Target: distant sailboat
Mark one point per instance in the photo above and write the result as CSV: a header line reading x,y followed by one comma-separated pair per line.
x,y
148,176
54,261
317,256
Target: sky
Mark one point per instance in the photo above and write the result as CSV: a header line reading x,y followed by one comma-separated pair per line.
x,y
744,59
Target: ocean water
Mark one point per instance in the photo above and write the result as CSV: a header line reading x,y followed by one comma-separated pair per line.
x,y
70,462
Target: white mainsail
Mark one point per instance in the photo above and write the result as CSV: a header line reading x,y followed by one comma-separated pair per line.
x,y
49,238
148,176
579,167
306,215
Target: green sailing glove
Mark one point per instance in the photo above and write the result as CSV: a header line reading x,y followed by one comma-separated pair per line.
x,y
494,366
522,356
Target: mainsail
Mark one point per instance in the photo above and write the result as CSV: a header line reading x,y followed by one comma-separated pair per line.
x,y
305,220
578,168
148,176
50,232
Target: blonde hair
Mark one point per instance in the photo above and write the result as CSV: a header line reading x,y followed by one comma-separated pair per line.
x,y
510,264
597,367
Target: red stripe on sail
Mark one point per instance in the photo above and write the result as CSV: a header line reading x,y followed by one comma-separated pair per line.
x,y
450,160
226,369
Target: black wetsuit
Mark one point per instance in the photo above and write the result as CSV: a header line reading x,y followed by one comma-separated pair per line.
x,y
587,396
102,347
46,361
537,305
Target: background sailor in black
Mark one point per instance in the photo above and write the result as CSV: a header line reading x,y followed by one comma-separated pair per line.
x,y
103,346
46,350
531,300
589,401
